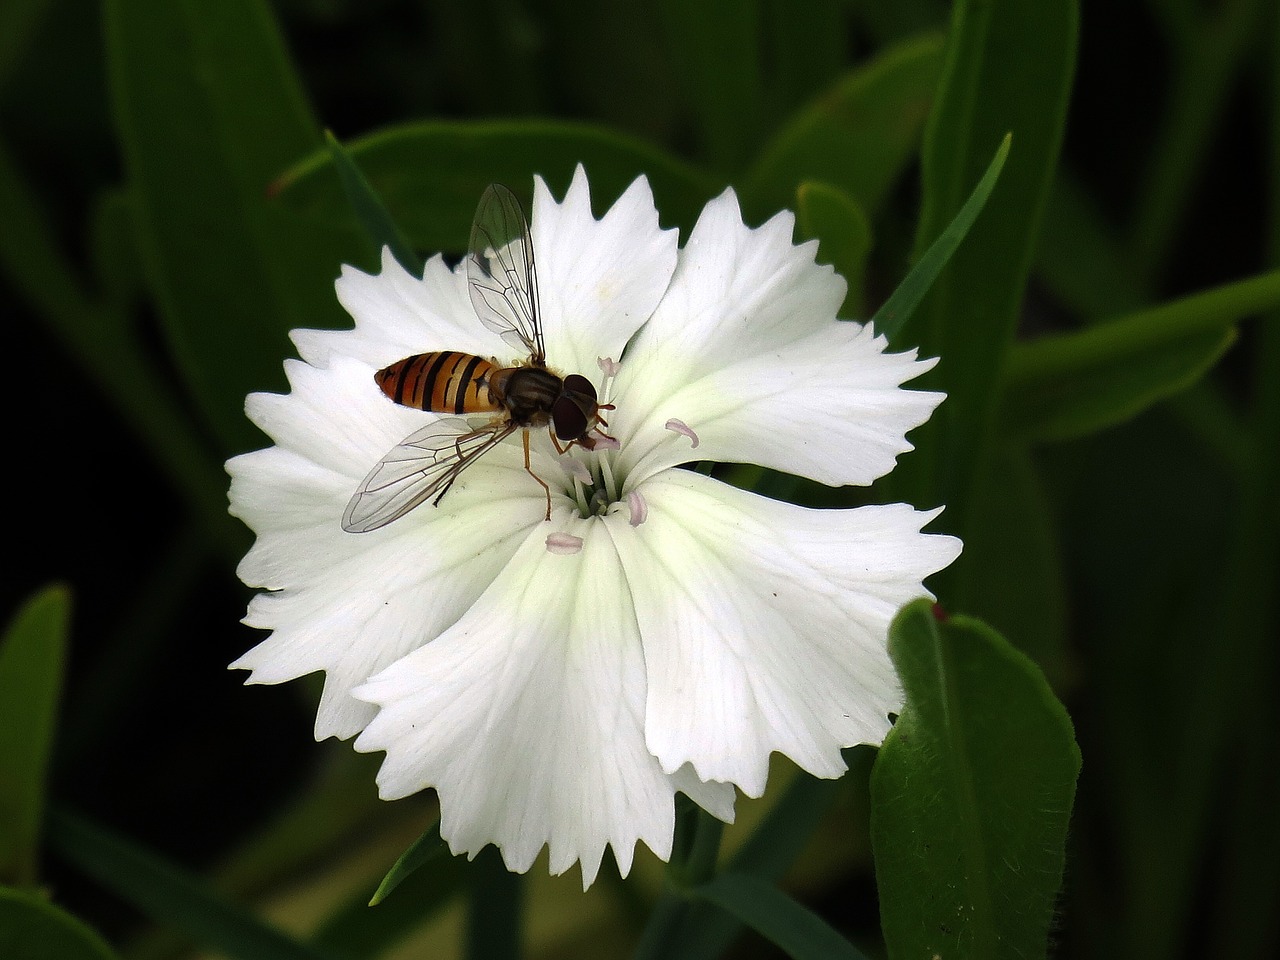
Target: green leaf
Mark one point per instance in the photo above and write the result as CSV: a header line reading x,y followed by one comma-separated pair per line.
x,y
1078,383
804,46
716,44
1013,578
774,915
971,795
208,112
885,22
1009,67
844,236
327,811
104,344
32,655
858,136
494,909
29,252
169,895
427,848
19,20
1079,257
431,175
771,850
369,210
31,928
113,249
1102,394
681,929
367,928
900,306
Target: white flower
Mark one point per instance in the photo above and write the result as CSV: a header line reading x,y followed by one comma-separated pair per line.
x,y
558,682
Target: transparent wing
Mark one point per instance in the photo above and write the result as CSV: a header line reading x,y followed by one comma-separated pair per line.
x,y
501,275
421,466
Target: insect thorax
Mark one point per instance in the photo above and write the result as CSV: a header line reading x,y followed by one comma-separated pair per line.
x,y
530,393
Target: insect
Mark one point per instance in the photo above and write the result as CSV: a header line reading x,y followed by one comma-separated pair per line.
x,y
503,283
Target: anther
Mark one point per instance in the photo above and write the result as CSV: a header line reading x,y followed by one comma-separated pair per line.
x,y
682,428
578,470
638,507
563,544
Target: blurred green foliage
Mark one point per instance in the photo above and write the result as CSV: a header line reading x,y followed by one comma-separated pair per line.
x,y
1108,450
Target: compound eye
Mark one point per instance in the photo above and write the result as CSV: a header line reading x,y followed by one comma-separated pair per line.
x,y
568,419
577,383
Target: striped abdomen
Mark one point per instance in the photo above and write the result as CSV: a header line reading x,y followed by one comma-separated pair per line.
x,y
444,382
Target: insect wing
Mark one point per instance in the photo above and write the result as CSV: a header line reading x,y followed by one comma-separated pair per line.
x,y
421,466
501,275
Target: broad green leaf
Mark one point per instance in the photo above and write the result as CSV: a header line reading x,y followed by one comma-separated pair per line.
x,y
902,303
1077,383
716,44
844,237
370,212
858,136
169,895
31,928
430,175
1009,67
208,112
971,795
770,912
32,654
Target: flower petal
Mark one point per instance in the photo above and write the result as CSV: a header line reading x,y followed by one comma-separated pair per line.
x,y
598,280
398,315
350,604
745,349
764,624
527,717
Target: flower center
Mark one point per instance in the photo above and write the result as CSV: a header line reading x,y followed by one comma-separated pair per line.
x,y
594,485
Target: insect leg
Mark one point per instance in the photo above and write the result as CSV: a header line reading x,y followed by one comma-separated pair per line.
x,y
529,468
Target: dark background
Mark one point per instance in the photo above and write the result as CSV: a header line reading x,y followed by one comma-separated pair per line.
x,y
161,743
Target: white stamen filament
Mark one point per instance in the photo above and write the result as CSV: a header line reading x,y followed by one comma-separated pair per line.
x,y
682,428
581,477
563,544
606,474
639,508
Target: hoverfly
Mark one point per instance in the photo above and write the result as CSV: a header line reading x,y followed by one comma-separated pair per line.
x,y
503,284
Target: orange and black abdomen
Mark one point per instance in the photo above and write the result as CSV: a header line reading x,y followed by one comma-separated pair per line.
x,y
444,382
